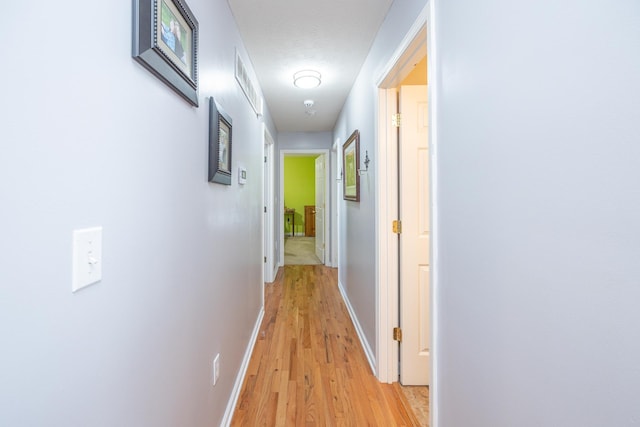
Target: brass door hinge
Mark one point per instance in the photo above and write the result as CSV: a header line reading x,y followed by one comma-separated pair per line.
x,y
397,334
265,260
396,120
397,226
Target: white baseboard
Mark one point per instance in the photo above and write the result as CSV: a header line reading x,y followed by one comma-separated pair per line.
x,y
235,394
365,344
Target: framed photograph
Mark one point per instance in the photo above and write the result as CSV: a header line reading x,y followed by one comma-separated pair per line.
x,y
165,41
220,144
350,162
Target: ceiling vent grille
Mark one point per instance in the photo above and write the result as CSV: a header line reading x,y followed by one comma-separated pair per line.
x,y
247,86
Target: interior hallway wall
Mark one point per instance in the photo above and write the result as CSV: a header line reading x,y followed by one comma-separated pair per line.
x,y
91,138
357,235
539,238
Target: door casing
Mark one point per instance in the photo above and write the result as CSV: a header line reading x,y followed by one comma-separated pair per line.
x,y
328,190
413,47
268,234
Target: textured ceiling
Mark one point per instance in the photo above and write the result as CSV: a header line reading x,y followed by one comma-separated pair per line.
x,y
285,36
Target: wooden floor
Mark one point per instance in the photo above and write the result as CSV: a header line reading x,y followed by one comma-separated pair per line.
x,y
307,367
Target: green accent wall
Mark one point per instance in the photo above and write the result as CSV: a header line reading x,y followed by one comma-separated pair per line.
x,y
299,189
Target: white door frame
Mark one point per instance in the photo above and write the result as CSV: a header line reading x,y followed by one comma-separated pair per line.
x,y
327,195
418,40
336,168
268,234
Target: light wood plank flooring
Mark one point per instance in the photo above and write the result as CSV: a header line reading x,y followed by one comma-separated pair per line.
x,y
307,367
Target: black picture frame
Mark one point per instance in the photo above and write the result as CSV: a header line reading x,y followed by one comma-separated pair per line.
x,y
220,144
165,41
350,165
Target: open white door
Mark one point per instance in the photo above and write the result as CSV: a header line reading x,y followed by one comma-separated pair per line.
x,y
268,216
414,238
320,206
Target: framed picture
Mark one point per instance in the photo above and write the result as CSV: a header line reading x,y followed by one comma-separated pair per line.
x,y
165,41
350,162
220,144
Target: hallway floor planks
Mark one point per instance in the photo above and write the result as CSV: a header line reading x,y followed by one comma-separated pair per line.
x,y
307,367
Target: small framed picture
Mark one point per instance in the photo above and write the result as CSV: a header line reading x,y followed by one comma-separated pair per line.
x,y
220,144
165,41
350,162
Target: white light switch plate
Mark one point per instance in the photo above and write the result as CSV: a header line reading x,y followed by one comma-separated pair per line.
x,y
87,257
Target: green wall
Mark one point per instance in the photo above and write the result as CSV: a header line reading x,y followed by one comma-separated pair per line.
x,y
299,189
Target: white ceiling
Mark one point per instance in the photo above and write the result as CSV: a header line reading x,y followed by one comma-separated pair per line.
x,y
329,36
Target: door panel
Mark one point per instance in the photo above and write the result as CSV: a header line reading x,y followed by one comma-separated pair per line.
x,y
414,239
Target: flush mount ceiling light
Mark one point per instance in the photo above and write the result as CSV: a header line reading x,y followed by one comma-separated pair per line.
x,y
306,79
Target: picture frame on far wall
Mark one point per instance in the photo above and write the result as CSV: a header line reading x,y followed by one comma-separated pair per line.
x,y
165,41
350,162
220,144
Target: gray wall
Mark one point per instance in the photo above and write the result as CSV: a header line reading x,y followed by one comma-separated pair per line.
x,y
91,138
539,201
357,237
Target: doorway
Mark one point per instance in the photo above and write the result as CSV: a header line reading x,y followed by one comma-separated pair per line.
x,y
304,199
269,240
410,55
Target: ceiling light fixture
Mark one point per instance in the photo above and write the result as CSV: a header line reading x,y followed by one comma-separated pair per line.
x,y
306,79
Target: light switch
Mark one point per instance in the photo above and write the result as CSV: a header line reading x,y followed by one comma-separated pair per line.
x,y
87,257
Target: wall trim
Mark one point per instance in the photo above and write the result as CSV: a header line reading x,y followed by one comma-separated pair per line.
x,y
363,341
237,387
433,73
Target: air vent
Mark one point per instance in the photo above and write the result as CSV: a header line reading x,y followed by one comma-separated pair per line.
x,y
247,86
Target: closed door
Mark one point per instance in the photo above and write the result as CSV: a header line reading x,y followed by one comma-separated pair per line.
x,y
415,290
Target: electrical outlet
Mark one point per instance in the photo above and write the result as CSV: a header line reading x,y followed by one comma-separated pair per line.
x,y
215,371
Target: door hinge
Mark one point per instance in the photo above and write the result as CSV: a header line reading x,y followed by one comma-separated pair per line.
x,y
397,226
397,334
265,159
265,260
265,209
396,120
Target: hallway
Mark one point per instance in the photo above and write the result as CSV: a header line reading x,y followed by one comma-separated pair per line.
x,y
308,367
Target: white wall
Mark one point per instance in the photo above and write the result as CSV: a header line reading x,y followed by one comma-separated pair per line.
x,y
90,138
539,201
357,237
304,141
